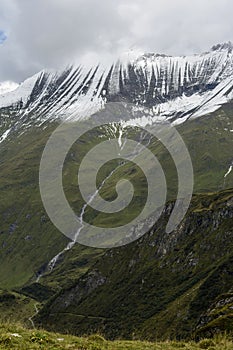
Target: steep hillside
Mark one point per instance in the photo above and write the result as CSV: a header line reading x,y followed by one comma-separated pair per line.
x,y
157,287
28,238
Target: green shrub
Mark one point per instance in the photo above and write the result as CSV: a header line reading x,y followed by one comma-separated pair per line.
x,y
96,338
40,338
206,343
177,344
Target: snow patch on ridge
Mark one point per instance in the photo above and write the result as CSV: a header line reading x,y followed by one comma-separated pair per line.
x,y
229,171
7,86
20,94
4,135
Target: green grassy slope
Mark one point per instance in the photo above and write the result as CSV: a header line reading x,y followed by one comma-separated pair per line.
x,y
16,307
28,240
27,237
14,336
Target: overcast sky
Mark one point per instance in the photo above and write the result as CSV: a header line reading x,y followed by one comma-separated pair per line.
x,y
37,34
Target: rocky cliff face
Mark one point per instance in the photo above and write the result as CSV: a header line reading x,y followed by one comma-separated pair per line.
x,y
157,287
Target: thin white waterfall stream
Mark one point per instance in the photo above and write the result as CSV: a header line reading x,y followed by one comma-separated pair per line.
x,y
70,245
52,263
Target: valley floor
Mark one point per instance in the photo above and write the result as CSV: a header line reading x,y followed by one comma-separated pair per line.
x,y
17,337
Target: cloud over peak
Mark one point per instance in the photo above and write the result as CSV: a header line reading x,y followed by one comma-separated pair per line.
x,y
52,33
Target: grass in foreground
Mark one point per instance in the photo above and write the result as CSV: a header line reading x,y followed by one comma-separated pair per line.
x,y
17,337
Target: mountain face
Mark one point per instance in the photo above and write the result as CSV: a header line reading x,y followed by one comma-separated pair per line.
x,y
157,287
175,88
161,285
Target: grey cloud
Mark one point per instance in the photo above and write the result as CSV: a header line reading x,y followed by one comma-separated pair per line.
x,y
52,33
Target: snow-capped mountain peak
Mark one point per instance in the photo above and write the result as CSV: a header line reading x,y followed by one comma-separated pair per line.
x,y
173,88
227,46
